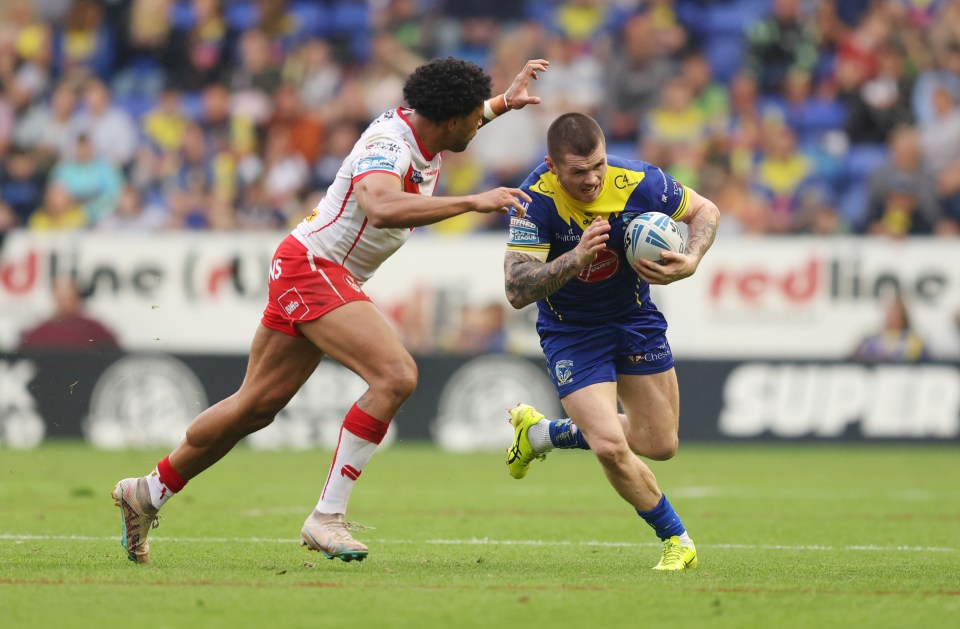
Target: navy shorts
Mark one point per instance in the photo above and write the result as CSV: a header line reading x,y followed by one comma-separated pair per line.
x,y
581,354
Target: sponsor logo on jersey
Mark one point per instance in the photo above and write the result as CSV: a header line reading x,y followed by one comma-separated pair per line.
x,y
603,268
291,302
384,145
542,188
352,282
416,177
522,230
563,371
368,162
622,182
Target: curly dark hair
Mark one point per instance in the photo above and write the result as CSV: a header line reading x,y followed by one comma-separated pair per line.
x,y
443,89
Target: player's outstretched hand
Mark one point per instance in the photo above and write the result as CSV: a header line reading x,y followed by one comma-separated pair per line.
x,y
517,95
502,200
674,266
593,241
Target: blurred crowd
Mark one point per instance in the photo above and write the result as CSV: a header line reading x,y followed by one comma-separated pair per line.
x,y
795,116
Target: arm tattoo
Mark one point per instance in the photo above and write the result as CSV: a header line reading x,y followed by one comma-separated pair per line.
x,y
528,279
702,230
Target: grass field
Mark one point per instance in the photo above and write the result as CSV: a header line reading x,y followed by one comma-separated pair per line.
x,y
788,536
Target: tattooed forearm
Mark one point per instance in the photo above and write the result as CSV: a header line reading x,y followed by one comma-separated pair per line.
x,y
702,230
527,279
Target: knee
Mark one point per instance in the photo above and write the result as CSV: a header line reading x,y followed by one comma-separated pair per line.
x,y
664,450
656,448
611,454
398,380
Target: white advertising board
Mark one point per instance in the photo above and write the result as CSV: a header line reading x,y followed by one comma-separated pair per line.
x,y
762,297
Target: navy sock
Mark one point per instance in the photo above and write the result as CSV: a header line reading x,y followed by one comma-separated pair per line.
x,y
564,434
663,519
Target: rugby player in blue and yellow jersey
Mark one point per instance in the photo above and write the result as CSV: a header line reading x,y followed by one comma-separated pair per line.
x,y
603,338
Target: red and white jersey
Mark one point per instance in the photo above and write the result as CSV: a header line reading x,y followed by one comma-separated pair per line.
x,y
339,230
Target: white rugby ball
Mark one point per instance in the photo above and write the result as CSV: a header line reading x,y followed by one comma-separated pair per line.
x,y
648,235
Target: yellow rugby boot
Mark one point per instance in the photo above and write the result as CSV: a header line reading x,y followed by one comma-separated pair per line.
x,y
521,454
676,556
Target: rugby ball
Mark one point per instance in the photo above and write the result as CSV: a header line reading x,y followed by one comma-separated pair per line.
x,y
648,235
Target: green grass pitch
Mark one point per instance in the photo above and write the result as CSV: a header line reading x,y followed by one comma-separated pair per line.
x,y
861,536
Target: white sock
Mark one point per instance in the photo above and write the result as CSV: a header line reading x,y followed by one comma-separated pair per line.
x,y
539,436
351,457
159,493
685,540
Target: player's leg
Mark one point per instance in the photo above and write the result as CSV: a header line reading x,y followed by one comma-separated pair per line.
x,y
594,409
360,338
278,366
652,405
652,413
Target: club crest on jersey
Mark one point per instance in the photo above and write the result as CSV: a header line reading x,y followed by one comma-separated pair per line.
x,y
603,268
635,359
563,370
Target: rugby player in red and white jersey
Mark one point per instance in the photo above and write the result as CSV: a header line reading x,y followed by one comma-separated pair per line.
x,y
316,304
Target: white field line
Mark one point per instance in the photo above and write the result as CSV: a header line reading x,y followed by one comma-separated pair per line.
x,y
482,541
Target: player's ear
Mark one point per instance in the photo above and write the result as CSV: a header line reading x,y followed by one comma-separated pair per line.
x,y
550,165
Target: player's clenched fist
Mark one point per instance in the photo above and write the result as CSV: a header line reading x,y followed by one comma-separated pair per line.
x,y
594,239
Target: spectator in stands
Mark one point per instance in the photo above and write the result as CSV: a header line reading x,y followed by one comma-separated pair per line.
x,y
42,128
255,78
257,212
192,182
305,129
111,130
313,69
882,103
408,23
21,185
780,174
25,66
284,30
90,179
676,133
198,55
940,148
581,20
339,142
59,212
633,79
134,214
575,80
899,213
709,97
164,125
943,72
782,42
900,180
285,171
84,44
69,328
896,341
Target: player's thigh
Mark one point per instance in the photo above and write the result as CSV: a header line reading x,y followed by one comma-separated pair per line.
x,y
593,409
360,338
651,402
278,366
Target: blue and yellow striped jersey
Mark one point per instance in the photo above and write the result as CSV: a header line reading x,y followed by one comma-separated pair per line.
x,y
608,289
